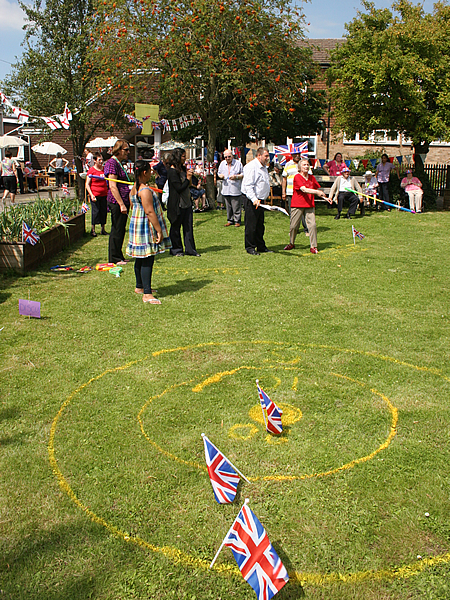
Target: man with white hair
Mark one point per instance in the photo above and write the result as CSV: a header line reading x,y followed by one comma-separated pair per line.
x,y
256,190
231,172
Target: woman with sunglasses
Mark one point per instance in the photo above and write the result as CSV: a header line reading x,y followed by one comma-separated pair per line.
x,y
118,200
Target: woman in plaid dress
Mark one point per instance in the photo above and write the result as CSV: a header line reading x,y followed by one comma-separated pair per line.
x,y
148,234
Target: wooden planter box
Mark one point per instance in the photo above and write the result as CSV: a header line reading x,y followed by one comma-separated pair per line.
x,y
22,257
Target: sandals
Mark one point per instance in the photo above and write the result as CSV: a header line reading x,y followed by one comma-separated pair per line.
x,y
151,301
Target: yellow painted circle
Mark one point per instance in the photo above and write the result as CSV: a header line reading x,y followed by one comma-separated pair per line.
x,y
293,414
187,560
243,432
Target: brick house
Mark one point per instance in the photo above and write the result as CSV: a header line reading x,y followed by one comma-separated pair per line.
x,y
326,145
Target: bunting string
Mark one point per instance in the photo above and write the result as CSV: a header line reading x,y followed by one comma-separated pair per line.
x,y
178,123
23,116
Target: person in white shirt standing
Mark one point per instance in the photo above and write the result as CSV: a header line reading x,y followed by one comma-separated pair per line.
x,y
256,189
231,172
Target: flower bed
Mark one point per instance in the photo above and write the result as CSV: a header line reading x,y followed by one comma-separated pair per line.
x,y
45,218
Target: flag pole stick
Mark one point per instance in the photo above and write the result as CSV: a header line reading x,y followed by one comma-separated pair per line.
x,y
383,201
235,468
264,414
226,537
130,183
354,237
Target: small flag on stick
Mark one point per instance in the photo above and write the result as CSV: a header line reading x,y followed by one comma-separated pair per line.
x,y
357,234
84,208
29,235
271,411
64,218
223,474
257,559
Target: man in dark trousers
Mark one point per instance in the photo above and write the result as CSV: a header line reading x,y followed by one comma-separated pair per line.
x,y
256,189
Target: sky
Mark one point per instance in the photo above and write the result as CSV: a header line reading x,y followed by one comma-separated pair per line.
x,y
326,19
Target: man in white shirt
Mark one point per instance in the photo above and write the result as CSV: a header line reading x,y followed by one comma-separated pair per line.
x,y
256,189
231,172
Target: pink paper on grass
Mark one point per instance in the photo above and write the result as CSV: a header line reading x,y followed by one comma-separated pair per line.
x,y
29,308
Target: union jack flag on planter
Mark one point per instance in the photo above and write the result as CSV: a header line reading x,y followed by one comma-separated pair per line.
x,y
29,235
257,559
64,218
84,208
272,411
223,475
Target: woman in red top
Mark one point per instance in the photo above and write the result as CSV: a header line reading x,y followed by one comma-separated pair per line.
x,y
305,188
97,190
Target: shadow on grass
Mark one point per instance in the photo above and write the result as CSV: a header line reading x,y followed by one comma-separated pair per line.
x,y
4,297
293,589
215,249
9,413
182,286
12,440
38,553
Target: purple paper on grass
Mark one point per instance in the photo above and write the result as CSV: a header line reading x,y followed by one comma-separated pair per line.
x,y
29,308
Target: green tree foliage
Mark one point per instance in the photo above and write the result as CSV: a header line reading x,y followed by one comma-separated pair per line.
x,y
392,73
235,63
55,69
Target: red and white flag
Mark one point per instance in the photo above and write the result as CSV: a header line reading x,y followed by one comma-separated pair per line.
x,y
4,100
21,114
52,123
65,117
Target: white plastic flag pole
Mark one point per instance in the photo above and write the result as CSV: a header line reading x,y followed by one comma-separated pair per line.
x,y
353,233
262,408
226,537
237,470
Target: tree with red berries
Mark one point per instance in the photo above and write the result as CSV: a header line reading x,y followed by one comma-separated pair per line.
x,y
227,60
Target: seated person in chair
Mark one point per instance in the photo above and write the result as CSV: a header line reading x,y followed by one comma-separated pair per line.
x,y
197,194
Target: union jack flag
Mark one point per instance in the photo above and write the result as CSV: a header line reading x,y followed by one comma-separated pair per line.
x,y
29,235
260,565
357,234
273,412
84,207
224,478
65,189
290,149
64,218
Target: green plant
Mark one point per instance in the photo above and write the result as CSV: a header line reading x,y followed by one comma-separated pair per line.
x,y
40,215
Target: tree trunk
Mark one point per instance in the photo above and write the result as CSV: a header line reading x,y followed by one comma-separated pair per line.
x,y
212,137
420,148
78,143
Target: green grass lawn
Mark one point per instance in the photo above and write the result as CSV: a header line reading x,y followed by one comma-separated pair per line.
x,y
103,489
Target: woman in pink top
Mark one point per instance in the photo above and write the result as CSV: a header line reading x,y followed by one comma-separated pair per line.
x,y
383,173
335,166
413,188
